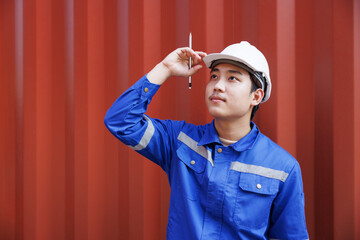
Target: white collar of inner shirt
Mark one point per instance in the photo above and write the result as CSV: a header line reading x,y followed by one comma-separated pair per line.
x,y
226,142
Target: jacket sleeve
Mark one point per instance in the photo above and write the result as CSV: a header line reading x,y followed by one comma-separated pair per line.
x,y
287,214
126,120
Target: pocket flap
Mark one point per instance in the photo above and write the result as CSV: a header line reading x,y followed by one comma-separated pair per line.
x,y
258,184
191,158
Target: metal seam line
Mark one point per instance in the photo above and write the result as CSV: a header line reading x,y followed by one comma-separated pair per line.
x,y
149,132
191,143
258,170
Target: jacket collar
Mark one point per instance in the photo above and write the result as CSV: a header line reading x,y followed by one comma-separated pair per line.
x,y
247,142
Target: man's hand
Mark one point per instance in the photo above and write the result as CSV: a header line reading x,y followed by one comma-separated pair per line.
x,y
176,64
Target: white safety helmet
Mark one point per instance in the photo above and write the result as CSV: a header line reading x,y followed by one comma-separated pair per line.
x,y
248,55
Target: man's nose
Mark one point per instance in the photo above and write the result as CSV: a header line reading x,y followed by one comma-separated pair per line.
x,y
219,85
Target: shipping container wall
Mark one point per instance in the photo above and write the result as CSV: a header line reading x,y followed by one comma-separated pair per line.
x,y
64,62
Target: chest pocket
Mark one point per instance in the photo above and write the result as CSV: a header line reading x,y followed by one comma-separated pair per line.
x,y
254,199
190,172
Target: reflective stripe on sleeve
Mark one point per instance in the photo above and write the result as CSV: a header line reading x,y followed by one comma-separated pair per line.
x,y
149,132
262,171
191,143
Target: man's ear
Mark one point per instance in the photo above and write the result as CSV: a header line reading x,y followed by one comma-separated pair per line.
x,y
257,97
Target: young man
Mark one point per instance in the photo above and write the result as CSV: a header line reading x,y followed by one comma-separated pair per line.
x,y
228,181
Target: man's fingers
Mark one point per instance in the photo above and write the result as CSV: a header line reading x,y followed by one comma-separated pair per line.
x,y
195,69
188,52
201,54
198,55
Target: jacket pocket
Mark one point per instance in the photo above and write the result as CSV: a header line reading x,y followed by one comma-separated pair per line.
x,y
190,172
254,200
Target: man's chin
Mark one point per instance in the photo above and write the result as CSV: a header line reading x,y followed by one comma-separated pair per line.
x,y
217,114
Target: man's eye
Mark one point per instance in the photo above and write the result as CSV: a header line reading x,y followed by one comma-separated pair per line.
x,y
233,79
213,76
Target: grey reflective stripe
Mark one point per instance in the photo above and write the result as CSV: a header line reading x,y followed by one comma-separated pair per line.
x,y
258,170
191,143
149,132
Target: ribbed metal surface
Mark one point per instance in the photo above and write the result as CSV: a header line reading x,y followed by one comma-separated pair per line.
x,y
63,63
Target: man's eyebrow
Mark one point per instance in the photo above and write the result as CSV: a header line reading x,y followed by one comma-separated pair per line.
x,y
229,71
234,71
214,70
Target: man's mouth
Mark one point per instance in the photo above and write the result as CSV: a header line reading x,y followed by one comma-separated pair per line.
x,y
216,98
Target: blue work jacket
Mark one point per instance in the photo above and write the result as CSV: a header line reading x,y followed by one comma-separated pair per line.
x,y
251,189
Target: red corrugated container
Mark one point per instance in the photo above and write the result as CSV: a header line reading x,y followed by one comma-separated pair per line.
x,y
63,63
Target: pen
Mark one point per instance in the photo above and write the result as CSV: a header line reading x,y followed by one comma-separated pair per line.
x,y
190,46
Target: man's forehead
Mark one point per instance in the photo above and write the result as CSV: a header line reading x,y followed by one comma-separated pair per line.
x,y
227,67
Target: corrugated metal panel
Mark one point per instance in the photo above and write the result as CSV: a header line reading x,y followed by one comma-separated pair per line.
x,y
63,63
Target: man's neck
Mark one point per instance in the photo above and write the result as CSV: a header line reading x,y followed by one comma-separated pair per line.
x,y
232,130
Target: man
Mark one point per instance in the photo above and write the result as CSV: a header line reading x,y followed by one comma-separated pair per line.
x,y
228,181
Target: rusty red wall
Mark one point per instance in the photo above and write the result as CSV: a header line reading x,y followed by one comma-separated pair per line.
x,y
63,63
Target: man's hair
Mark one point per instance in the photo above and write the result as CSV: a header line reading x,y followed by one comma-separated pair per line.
x,y
255,84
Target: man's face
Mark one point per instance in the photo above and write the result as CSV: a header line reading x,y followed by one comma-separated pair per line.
x,y
228,93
